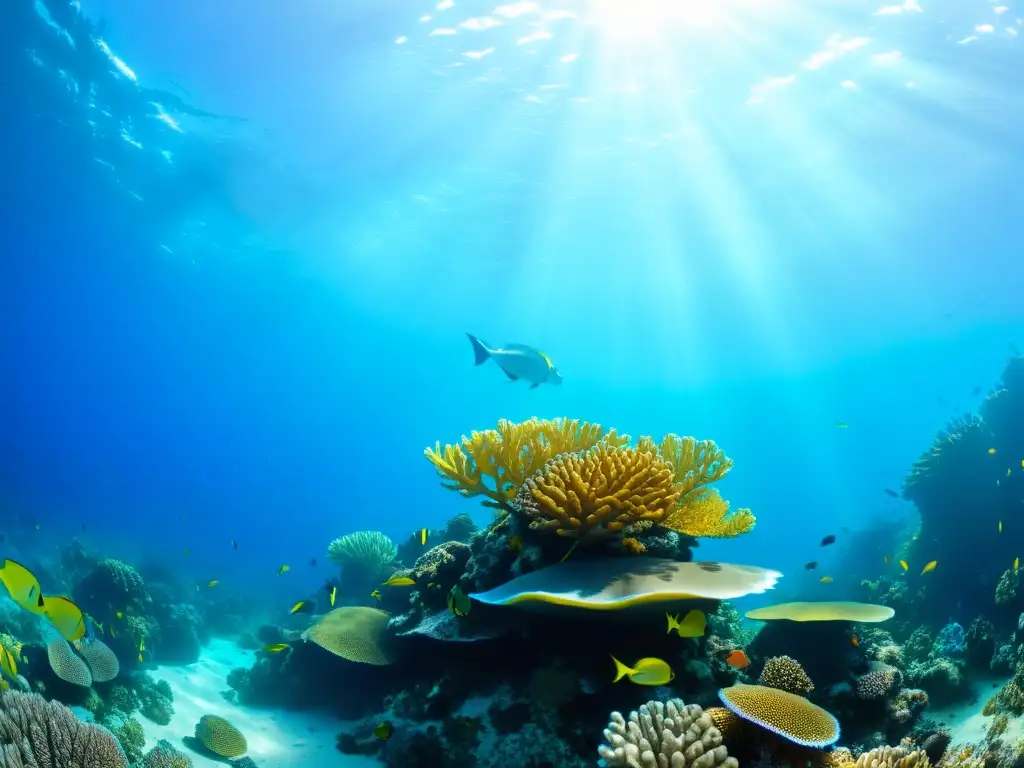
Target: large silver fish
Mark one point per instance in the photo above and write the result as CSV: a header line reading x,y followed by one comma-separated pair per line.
x,y
518,361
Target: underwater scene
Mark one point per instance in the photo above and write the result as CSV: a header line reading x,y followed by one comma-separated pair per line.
x,y
543,384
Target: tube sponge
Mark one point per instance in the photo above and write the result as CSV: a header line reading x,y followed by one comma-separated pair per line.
x,y
41,734
600,491
664,735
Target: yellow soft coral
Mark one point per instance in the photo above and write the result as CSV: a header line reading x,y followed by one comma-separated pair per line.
x,y
700,511
599,491
506,456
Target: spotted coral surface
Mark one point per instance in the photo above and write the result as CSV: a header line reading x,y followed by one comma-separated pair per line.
x,y
35,733
220,737
877,683
786,674
786,714
659,735
101,660
355,633
66,664
598,492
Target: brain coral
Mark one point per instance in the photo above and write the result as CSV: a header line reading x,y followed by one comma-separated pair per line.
x,y
598,492
893,757
356,633
660,735
35,733
220,737
66,664
790,716
787,674
163,755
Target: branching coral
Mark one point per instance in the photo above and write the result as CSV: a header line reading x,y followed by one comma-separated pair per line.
x,y
600,491
496,462
787,674
660,735
700,510
35,733
368,550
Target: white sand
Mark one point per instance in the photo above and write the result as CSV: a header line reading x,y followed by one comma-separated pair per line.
x,y
277,738
966,723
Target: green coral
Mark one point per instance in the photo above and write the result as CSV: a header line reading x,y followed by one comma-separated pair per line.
x,y
367,550
155,701
132,739
163,755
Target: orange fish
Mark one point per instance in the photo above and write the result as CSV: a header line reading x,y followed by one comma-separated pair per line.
x,y
854,641
738,660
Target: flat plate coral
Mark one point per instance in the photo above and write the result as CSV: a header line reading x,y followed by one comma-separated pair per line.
x,y
617,583
823,611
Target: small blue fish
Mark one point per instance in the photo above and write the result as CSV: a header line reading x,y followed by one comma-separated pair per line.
x,y
518,361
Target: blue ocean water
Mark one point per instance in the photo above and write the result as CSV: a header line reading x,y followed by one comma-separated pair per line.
x,y
243,243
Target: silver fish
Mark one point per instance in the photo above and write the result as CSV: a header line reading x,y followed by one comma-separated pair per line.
x,y
518,361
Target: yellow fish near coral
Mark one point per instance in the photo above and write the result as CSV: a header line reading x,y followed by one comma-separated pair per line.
x,y
423,536
140,658
334,594
518,361
929,567
376,595
649,671
399,581
8,664
458,602
904,566
22,585
66,617
275,647
692,625
1016,563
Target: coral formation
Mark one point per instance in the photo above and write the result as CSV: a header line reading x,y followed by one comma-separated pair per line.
x,y
131,738
163,755
787,674
597,492
220,737
365,550
893,757
35,733
877,683
786,714
355,633
660,734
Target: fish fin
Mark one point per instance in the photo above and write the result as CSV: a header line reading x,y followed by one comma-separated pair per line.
x,y
621,670
535,385
480,351
511,376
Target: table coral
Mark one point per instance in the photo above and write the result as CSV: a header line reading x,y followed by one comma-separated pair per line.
x,y
495,463
598,492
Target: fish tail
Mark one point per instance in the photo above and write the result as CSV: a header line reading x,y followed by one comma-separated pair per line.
x,y
480,351
621,670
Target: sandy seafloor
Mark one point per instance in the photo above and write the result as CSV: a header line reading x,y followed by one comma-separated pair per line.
x,y
276,738
964,720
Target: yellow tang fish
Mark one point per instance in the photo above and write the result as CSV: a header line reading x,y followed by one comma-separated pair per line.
x,y
991,451
66,617
826,579
904,566
23,586
142,644
1016,563
649,671
842,425
929,567
140,658
283,569
399,581
334,594
423,537
692,625
1022,463
376,595
8,664
213,583
120,614
275,647
303,606
1000,526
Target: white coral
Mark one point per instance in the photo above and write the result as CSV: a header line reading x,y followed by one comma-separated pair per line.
x,y
669,735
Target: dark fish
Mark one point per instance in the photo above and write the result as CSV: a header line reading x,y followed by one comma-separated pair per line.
x,y
830,539
83,527
892,493
234,544
811,565
313,562
976,391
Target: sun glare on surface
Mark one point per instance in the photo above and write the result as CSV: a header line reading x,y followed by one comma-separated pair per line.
x,y
640,20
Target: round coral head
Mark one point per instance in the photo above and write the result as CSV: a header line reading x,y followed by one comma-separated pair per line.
x,y
792,717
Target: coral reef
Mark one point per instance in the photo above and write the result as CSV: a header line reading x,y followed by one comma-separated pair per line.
x,y
664,734
220,737
787,674
163,755
364,551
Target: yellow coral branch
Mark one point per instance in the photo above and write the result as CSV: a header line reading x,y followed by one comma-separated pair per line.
x,y
708,515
